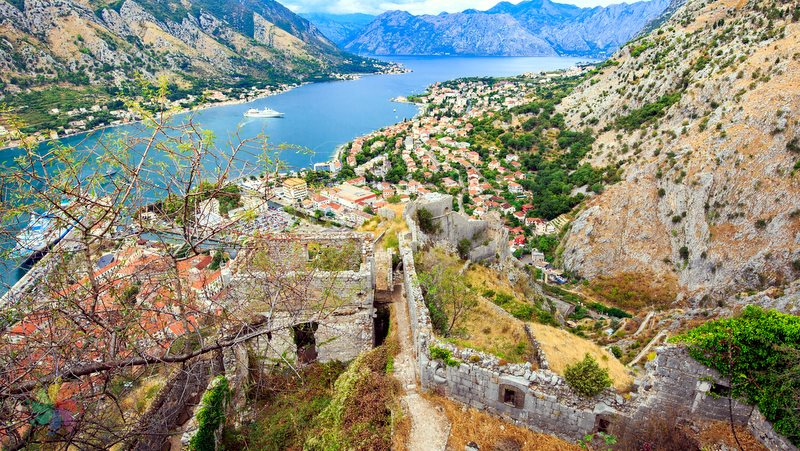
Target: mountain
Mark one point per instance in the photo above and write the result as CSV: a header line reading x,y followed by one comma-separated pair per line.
x,y
104,42
530,28
340,28
700,113
400,33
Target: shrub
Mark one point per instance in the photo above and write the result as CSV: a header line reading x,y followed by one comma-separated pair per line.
x,y
444,355
617,351
425,221
759,351
586,377
648,112
464,246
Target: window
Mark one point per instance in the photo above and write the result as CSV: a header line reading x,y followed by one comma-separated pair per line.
x,y
509,397
603,425
512,396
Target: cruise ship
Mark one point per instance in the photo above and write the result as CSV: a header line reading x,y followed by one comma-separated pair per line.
x,y
266,112
42,232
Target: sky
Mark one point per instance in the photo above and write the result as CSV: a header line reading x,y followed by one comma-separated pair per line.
x,y
412,6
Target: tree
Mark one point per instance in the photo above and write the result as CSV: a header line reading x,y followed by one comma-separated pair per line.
x,y
446,290
84,336
586,377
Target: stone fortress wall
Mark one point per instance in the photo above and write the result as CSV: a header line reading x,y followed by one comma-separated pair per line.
x,y
541,400
488,237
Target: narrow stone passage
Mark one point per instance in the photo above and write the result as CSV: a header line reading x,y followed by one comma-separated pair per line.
x,y
430,427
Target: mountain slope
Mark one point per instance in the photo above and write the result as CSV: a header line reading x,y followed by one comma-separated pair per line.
x,y
400,33
702,115
530,28
340,28
102,42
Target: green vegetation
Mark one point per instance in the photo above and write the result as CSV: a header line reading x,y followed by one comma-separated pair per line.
x,y
425,221
448,298
286,406
640,48
759,352
211,415
586,377
33,107
444,355
649,112
327,406
525,311
364,407
345,257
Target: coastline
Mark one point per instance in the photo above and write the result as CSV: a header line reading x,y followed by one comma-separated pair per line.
x,y
196,108
397,70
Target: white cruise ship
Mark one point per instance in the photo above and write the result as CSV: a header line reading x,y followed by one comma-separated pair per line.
x,y
266,112
42,231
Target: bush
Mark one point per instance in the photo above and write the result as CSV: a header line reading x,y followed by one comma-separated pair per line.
x,y
647,113
464,246
444,355
425,221
617,351
586,377
760,352
211,415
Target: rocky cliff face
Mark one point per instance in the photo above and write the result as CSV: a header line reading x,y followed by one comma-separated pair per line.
x,y
531,28
702,113
96,41
340,28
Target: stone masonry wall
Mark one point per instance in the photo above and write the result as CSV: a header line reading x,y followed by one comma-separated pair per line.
x,y
489,238
540,399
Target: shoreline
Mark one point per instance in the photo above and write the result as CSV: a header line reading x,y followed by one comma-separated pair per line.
x,y
196,108
205,106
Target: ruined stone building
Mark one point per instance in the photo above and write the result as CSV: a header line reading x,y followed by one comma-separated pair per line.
x,y
316,293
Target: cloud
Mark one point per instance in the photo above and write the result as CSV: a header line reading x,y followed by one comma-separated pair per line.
x,y
412,6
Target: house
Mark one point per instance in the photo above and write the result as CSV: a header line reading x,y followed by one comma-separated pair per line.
x,y
507,208
515,188
449,183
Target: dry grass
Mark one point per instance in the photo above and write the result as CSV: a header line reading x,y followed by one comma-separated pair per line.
x,y
716,433
393,227
634,292
490,433
563,348
142,396
484,278
486,330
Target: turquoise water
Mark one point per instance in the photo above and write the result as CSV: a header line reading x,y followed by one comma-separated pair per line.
x,y
322,116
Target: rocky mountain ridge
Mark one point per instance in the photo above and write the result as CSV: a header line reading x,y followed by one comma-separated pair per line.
x,y
83,42
530,28
339,28
702,115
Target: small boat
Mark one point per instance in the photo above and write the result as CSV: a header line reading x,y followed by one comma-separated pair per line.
x,y
266,112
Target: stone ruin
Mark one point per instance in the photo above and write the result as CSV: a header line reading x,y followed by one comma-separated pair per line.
x,y
488,238
540,399
338,331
